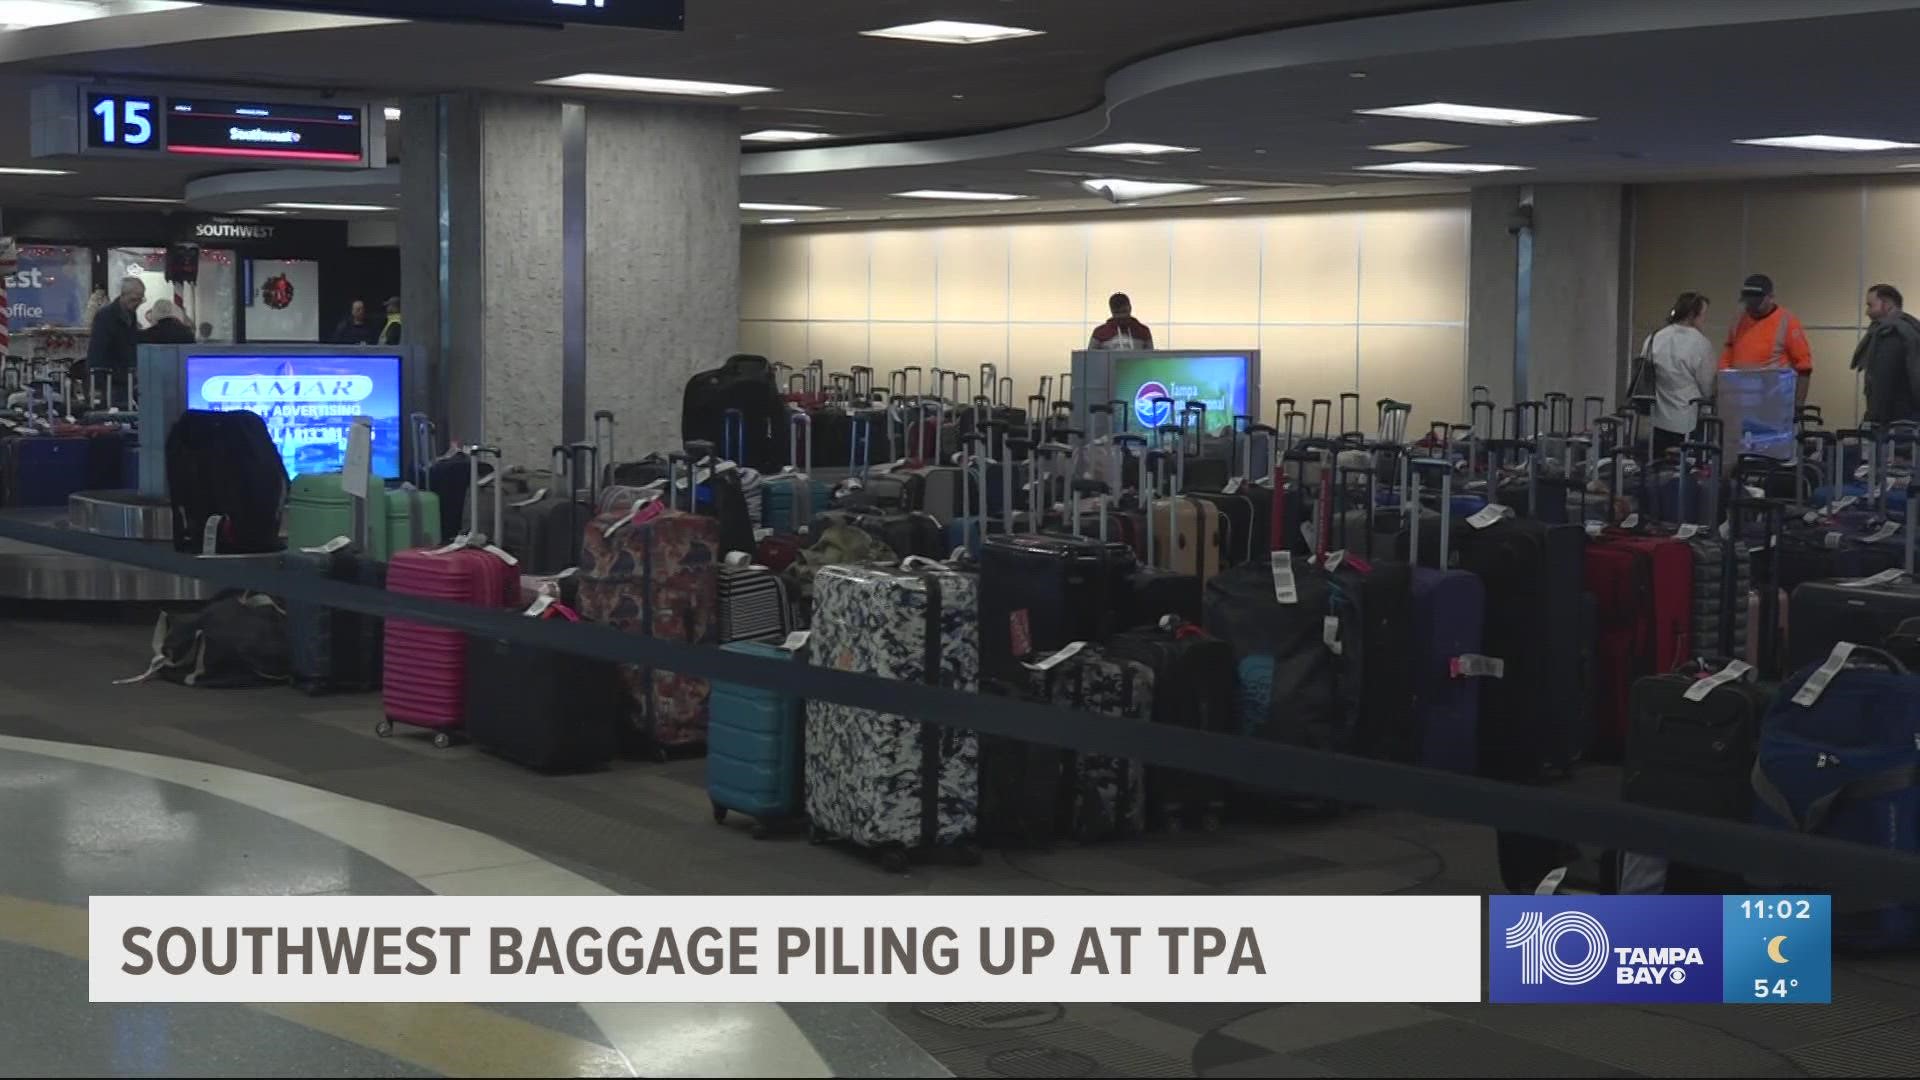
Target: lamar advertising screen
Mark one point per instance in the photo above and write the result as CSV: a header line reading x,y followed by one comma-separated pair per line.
x,y
1219,382
309,403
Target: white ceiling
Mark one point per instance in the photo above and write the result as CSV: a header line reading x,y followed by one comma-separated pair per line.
x,y
1672,83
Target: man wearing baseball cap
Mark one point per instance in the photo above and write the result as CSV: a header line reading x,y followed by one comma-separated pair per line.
x,y
1768,335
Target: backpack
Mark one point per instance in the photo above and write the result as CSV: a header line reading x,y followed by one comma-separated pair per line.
x,y
238,640
224,465
744,384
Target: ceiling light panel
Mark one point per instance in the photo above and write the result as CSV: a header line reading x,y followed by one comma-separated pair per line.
x,y
345,208
136,199
783,135
1485,115
22,170
1843,144
951,32
777,221
782,208
957,196
648,84
1129,190
391,112
1421,146
1128,149
1441,168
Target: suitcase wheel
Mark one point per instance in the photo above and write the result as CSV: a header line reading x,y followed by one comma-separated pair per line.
x,y
893,860
384,728
968,854
719,814
760,831
817,835
442,740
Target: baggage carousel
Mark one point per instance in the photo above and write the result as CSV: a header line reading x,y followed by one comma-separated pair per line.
x,y
32,572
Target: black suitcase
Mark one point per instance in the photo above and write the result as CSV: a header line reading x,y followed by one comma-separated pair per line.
x,y
224,465
1033,794
1194,687
555,712
1865,609
1038,593
544,531
1692,757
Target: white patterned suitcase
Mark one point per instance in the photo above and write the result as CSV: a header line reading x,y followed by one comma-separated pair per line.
x,y
880,780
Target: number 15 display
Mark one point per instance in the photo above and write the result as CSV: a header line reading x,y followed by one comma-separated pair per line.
x,y
122,122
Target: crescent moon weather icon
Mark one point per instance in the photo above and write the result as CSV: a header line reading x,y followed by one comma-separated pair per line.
x,y
1773,949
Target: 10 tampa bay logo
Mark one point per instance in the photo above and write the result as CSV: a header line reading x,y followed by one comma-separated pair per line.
x,y
1605,949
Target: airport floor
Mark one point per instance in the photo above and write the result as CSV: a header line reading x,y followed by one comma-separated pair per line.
x,y
154,788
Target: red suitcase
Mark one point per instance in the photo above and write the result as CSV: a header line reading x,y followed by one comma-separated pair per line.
x,y
425,674
1643,592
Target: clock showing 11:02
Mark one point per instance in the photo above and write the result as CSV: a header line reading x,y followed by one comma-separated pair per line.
x,y
1778,949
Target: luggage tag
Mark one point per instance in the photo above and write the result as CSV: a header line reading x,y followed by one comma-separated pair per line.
x,y
1883,532
540,605
329,547
1332,561
1687,532
796,640
1330,635
1841,503
1488,515
1285,591
738,559
1731,673
1862,471
1067,652
499,553
531,499
921,562
210,535
1884,577
761,533
1631,521
1595,528
632,514
1474,666
1232,487
1816,683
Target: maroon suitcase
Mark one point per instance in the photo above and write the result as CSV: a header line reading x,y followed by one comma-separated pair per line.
x,y
657,577
425,667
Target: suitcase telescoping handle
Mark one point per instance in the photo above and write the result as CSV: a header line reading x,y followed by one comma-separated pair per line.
x,y
970,463
1444,468
603,435
1006,390
1320,418
422,428
733,436
1014,445
1591,408
1178,431
1349,398
475,455
1559,405
862,380
1036,416
798,451
1153,470
1273,442
1099,489
990,382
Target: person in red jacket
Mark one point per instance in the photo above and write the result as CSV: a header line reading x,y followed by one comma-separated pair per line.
x,y
1123,331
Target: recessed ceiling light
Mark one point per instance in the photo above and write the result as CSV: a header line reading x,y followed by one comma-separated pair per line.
x,y
776,221
268,213
1356,74
1421,146
957,196
1475,114
783,135
647,84
1441,168
782,208
1129,190
11,170
135,199
1123,149
392,112
21,14
1229,198
1837,143
345,208
951,32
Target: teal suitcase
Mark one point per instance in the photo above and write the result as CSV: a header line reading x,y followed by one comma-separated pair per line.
x,y
754,747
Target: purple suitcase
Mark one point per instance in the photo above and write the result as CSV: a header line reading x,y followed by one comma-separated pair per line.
x,y
1449,608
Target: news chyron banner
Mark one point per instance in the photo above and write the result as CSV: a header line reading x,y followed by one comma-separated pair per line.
x,y
785,949
1626,950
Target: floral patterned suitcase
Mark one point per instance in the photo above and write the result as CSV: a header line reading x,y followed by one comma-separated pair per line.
x,y
879,780
657,576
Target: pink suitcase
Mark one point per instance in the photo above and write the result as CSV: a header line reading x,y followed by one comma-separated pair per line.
x,y
655,572
425,676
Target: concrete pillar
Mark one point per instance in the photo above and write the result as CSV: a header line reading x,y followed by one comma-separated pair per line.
x,y
561,258
1573,337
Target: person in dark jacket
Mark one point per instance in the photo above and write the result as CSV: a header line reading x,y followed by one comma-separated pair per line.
x,y
165,327
1888,357
115,332
356,328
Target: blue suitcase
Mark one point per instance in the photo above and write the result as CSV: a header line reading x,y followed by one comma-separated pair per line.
x,y
1449,611
1847,766
754,741
40,470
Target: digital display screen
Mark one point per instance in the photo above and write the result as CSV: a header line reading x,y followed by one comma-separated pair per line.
x,y
248,129
1219,382
640,14
309,403
122,121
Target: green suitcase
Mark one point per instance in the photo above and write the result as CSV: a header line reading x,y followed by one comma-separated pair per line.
x,y
318,511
